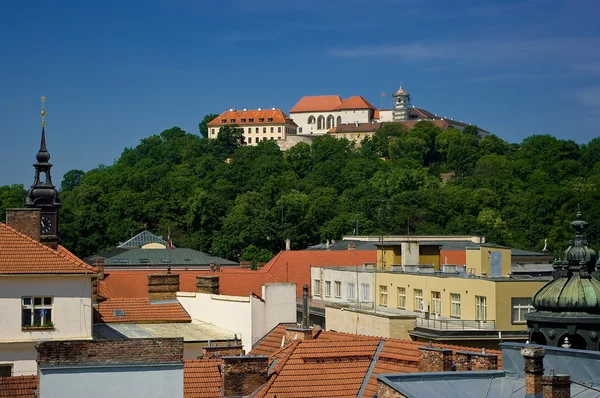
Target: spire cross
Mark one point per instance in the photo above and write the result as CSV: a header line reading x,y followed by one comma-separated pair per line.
x,y
43,111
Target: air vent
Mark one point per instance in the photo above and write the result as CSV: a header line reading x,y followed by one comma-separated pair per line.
x,y
144,261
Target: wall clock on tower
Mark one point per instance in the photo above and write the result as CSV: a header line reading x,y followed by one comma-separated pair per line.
x,y
45,225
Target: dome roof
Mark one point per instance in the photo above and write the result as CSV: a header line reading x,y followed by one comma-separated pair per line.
x,y
574,287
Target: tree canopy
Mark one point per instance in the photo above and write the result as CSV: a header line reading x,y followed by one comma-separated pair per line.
x,y
242,202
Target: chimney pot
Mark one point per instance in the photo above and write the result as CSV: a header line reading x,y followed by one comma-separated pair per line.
x,y
534,369
100,267
288,244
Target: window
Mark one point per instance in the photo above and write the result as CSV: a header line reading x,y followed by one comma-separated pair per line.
x,y
328,288
321,123
5,370
262,119
264,129
223,121
402,298
36,311
436,303
455,305
418,300
299,129
339,120
365,295
249,140
232,120
480,308
272,130
311,120
520,307
351,289
317,287
257,130
337,289
251,120
279,129
243,120
213,131
279,137
270,119
329,122
383,295
250,130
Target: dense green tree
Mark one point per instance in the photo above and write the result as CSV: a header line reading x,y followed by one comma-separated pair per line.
x,y
203,125
11,197
71,180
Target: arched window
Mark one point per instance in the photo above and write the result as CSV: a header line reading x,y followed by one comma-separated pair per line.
x,y
339,121
329,122
311,120
320,123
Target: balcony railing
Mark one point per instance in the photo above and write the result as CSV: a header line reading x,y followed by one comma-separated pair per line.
x,y
454,324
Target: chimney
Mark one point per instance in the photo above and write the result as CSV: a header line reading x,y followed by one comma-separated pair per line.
x,y
244,375
556,386
163,286
216,351
215,267
432,359
26,221
100,266
288,244
305,314
208,284
534,369
301,334
351,246
463,361
483,361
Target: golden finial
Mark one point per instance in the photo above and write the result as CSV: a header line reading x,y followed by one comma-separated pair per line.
x,y
43,110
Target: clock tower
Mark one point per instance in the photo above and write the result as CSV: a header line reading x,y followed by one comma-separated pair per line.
x,y
43,193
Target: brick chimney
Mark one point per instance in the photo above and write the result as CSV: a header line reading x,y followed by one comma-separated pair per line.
x,y
301,334
26,221
163,286
208,284
351,246
218,351
244,375
556,386
432,359
534,369
100,266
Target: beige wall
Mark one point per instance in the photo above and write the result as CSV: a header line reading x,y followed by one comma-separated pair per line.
x,y
279,132
413,255
370,324
479,260
504,294
357,137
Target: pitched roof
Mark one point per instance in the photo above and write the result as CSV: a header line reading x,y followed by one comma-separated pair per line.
x,y
242,118
140,310
356,128
18,386
19,254
355,102
164,257
315,360
312,103
142,239
202,378
287,266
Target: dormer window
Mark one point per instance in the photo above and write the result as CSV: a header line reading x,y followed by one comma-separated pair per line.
x,y
223,121
232,120
270,119
251,120
262,119
244,120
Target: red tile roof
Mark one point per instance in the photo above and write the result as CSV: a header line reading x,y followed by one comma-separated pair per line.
x,y
309,364
287,266
242,118
315,103
202,379
17,386
19,254
356,128
355,102
140,310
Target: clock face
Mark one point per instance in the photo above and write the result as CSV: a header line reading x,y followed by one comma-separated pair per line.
x,y
45,225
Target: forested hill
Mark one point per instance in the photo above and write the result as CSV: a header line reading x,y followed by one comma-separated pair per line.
x,y
516,194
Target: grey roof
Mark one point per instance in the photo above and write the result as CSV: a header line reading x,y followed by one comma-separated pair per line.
x,y
343,245
164,257
191,332
142,239
582,366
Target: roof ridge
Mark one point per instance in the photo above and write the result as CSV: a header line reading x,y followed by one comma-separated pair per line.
x,y
51,250
276,369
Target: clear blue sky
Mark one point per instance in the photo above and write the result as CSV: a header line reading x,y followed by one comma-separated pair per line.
x,y
115,72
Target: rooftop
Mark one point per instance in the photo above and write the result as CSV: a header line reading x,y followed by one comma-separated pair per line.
x,y
19,254
190,332
251,117
202,378
164,258
18,387
323,103
139,310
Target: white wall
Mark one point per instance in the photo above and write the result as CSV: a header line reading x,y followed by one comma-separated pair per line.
x,y
22,356
71,312
250,317
112,381
348,116
346,276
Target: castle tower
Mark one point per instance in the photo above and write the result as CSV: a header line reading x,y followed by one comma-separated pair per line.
x,y
402,105
43,193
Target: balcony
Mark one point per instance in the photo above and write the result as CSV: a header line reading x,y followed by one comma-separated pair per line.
x,y
456,329
454,324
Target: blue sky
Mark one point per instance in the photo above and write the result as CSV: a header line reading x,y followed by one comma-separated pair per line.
x,y
115,72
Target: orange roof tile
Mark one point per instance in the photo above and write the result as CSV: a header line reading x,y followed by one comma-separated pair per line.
x,y
299,366
287,266
355,102
18,386
202,379
376,114
315,103
141,310
243,118
19,254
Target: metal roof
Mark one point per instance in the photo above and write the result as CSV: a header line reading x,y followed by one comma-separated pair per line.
x,y
143,238
195,331
164,257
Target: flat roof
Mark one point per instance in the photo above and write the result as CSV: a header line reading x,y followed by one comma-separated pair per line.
x,y
191,332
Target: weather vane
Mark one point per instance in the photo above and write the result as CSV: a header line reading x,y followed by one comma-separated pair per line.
x,y
43,110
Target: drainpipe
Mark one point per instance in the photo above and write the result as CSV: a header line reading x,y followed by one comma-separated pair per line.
x,y
305,307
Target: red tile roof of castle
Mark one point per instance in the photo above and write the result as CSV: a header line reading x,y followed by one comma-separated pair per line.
x,y
336,364
18,386
355,102
251,117
324,103
20,254
287,266
141,310
202,379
